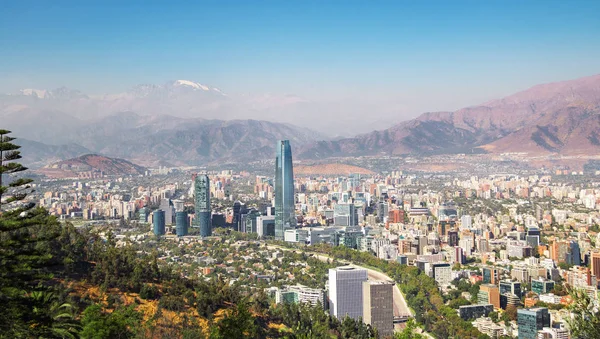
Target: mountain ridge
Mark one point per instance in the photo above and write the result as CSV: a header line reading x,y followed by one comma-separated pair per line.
x,y
502,125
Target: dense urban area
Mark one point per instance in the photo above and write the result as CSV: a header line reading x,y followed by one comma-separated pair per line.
x,y
195,253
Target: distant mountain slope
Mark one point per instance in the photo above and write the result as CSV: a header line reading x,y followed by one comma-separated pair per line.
x,y
557,118
37,154
330,169
91,163
150,140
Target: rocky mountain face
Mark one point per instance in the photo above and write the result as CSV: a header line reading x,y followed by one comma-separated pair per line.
x,y
562,118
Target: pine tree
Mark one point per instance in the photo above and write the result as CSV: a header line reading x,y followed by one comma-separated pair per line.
x,y
19,188
24,235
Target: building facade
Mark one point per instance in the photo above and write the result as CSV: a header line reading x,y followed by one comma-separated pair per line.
x,y
532,320
346,291
202,204
378,306
181,223
285,214
158,221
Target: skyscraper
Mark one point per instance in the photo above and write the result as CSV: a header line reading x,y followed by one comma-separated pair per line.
x,y
346,291
202,202
158,221
285,216
181,223
378,306
167,206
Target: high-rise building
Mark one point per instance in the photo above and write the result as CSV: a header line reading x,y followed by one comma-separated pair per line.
x,y
378,306
167,206
532,320
490,275
509,286
181,223
158,221
489,294
285,214
202,202
345,215
595,264
541,285
442,273
346,291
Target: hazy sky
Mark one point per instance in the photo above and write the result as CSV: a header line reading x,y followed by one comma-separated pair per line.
x,y
409,55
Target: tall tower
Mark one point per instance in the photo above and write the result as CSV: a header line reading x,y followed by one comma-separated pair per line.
x,y
202,202
285,216
346,291
158,221
378,306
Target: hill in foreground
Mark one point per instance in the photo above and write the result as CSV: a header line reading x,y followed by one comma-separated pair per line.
x,y
91,165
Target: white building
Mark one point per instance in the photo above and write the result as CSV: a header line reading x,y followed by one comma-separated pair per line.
x,y
346,291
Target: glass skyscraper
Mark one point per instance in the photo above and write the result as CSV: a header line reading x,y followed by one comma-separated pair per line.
x,y
158,221
530,321
202,204
285,215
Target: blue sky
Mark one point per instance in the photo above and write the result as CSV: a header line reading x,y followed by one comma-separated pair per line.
x,y
445,53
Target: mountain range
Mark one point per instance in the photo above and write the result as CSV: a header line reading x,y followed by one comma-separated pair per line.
x,y
160,125
555,118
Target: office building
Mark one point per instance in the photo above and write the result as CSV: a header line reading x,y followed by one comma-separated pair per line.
x,y
346,291
489,294
532,320
181,223
475,311
285,214
507,299
508,286
542,286
265,226
595,264
490,275
301,294
202,204
144,214
378,306
158,221
442,273
167,206
345,215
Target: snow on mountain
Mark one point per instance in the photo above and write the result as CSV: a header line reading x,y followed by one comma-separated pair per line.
x,y
40,93
191,84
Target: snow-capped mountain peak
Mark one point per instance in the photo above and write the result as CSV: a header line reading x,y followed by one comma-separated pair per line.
x,y
40,93
192,84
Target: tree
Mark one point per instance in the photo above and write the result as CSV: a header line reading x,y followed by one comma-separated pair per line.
x,y
19,188
238,323
409,331
120,323
54,318
25,235
585,321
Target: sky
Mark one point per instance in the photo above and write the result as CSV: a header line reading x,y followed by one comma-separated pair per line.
x,y
402,57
